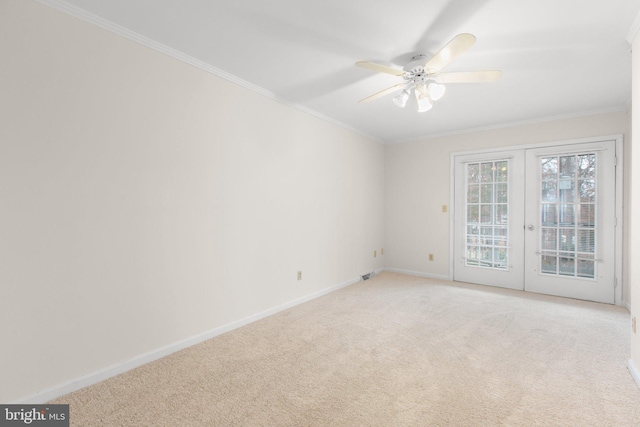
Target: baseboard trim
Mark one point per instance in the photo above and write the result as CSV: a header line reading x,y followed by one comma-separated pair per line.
x,y
634,372
119,368
417,273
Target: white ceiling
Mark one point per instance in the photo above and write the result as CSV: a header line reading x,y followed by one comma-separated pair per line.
x,y
559,57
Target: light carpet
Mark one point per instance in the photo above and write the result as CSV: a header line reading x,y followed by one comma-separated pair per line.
x,y
395,350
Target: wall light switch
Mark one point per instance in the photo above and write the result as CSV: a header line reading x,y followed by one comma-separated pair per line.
x,y
375,254
444,208
300,275
381,251
430,257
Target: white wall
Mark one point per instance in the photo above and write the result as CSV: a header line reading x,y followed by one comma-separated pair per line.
x,y
634,245
417,184
145,201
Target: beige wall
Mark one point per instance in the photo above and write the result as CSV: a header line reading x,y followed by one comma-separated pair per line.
x,y
145,201
634,249
417,184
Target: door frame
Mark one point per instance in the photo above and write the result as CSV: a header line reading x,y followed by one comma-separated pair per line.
x,y
619,193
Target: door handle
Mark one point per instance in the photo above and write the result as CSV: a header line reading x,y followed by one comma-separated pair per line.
x,y
530,227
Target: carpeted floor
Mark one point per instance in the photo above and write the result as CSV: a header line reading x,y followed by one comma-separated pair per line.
x,y
391,351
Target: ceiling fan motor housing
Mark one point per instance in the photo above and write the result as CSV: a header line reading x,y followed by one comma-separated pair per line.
x,y
414,70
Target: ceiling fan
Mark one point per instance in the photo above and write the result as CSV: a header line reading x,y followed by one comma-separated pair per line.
x,y
423,74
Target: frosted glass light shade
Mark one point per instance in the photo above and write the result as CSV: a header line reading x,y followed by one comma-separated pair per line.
x,y
421,91
424,104
436,91
401,99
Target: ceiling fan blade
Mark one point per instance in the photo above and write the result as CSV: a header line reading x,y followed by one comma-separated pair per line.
x,y
382,93
457,46
484,76
380,68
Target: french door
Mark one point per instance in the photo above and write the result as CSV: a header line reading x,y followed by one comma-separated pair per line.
x,y
538,219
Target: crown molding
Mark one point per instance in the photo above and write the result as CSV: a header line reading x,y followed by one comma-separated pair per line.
x,y
511,124
633,31
112,27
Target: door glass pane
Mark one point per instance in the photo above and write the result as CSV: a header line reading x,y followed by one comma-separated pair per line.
x,y
585,268
549,191
567,167
486,214
566,265
486,171
501,171
567,190
586,241
587,188
473,172
567,239
549,214
587,166
502,214
486,193
587,214
550,168
549,239
500,260
568,215
473,214
473,193
487,219
502,195
549,264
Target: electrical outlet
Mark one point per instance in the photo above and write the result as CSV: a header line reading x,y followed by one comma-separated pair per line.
x,y
375,254
430,257
381,251
300,275
633,324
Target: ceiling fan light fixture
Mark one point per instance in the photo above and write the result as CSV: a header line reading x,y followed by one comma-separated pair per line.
x,y
436,91
421,91
424,74
401,99
424,104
